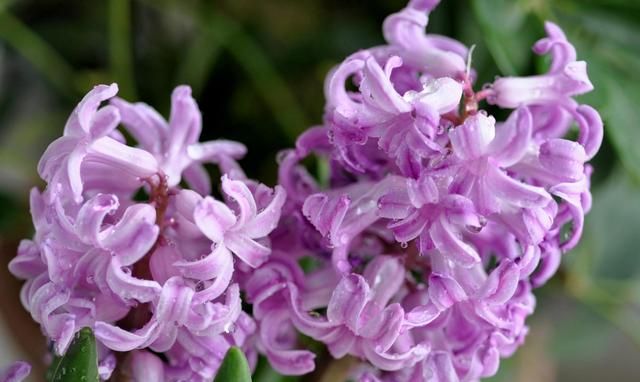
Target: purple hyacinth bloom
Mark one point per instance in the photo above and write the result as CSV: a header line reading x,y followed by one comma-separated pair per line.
x,y
437,190
417,254
151,272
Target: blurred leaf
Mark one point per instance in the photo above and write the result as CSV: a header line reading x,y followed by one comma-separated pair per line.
x,y
37,52
234,367
508,30
120,53
604,251
198,60
250,56
22,142
79,363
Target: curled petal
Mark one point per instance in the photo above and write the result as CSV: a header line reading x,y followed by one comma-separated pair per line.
x,y
591,129
90,219
267,220
174,302
385,275
248,250
213,218
449,242
563,158
146,367
471,140
80,121
461,212
240,193
222,265
501,284
133,236
405,30
118,339
128,287
207,267
185,122
143,122
556,43
441,368
516,192
16,372
396,361
410,227
530,225
441,95
384,328
377,88
572,194
104,122
285,361
336,93
53,158
348,301
130,160
422,191
28,263
513,138
445,291
421,315
326,213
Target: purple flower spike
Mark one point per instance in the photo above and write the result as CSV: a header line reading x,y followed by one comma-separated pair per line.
x,y
458,215
142,271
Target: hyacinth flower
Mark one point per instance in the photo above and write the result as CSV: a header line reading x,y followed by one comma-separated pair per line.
x,y
473,209
417,257
121,248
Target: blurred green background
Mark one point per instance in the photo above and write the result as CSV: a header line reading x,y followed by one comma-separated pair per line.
x,y
257,69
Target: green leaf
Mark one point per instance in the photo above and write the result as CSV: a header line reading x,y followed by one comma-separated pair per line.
x,y
79,363
234,367
605,252
508,30
37,52
120,51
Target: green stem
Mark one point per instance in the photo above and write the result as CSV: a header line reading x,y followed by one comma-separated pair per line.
x,y
120,51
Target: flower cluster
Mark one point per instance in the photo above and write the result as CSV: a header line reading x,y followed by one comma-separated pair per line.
x,y
123,248
416,252
435,221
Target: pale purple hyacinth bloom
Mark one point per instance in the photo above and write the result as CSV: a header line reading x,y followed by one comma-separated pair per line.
x,y
453,216
420,250
151,274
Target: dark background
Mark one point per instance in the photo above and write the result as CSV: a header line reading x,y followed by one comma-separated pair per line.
x,y
257,70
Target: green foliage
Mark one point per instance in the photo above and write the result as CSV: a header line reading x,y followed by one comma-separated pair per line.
x,y
234,367
79,363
